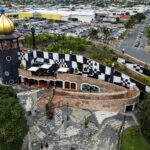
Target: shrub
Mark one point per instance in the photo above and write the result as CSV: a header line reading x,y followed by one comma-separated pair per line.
x,y
86,122
13,125
144,116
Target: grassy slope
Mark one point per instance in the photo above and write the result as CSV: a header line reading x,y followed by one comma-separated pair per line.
x,y
134,140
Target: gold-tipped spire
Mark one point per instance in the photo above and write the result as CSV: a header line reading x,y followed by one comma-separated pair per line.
x,y
6,25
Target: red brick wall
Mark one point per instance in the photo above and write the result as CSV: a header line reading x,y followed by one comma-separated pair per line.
x,y
111,97
89,101
104,86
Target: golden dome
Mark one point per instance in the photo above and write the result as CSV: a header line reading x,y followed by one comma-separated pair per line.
x,y
6,25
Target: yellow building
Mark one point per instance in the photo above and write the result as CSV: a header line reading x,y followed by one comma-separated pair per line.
x,y
51,16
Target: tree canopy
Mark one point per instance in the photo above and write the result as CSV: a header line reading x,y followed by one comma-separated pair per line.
x,y
148,32
13,125
144,116
134,19
58,43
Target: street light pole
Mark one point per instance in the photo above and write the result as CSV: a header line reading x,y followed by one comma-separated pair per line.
x,y
112,73
33,36
67,111
70,65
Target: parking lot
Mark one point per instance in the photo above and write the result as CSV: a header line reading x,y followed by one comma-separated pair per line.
x,y
140,40
76,29
46,26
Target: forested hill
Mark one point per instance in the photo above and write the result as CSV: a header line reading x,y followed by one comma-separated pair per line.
x,y
66,2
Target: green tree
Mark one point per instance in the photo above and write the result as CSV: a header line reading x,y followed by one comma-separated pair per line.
x,y
94,33
144,116
139,17
148,32
105,31
86,122
129,24
117,20
13,125
134,19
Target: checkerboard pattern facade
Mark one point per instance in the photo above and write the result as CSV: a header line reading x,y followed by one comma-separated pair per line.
x,y
84,66
135,67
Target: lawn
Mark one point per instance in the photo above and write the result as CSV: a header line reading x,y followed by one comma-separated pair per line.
x,y
134,140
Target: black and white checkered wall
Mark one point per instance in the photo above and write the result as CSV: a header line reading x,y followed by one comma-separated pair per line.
x,y
135,67
82,66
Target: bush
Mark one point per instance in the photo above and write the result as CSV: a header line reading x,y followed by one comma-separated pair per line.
x,y
144,116
49,110
148,32
134,19
13,125
86,122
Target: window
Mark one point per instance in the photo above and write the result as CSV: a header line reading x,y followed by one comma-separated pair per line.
x,y
95,89
67,85
59,84
76,70
73,86
11,81
51,83
136,105
129,108
6,73
90,88
85,69
8,58
73,19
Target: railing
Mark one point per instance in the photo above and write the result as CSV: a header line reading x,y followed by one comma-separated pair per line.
x,y
120,134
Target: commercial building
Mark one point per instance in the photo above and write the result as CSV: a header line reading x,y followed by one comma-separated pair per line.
x,y
60,15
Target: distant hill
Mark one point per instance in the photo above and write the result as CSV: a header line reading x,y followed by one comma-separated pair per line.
x,y
62,2
66,2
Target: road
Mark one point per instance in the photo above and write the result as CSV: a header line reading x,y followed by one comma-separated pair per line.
x,y
129,43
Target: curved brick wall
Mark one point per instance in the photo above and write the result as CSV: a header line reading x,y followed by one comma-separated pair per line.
x,y
111,98
103,104
104,86
91,96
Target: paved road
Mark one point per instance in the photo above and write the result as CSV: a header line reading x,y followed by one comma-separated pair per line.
x,y
129,42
